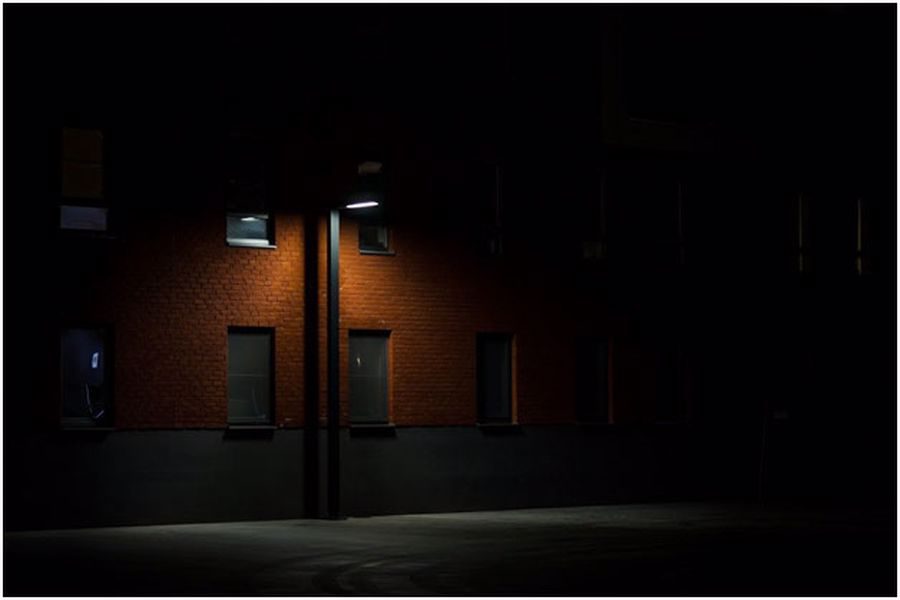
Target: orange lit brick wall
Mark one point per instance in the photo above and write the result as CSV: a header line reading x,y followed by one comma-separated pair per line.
x,y
434,295
170,289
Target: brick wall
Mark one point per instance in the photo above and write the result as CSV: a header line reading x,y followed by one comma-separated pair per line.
x,y
434,295
170,288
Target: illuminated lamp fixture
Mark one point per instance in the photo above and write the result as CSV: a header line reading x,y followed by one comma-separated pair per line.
x,y
363,204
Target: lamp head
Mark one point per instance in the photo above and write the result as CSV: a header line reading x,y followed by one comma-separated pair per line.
x,y
362,204
368,191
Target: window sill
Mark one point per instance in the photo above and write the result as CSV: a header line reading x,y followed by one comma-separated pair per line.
x,y
373,430
377,252
238,243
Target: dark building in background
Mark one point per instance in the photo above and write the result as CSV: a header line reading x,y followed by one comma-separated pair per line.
x,y
623,254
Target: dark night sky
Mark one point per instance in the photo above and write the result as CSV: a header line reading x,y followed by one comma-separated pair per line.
x,y
818,77
807,91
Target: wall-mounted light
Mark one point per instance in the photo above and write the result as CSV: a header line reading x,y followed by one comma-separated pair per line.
x,y
249,219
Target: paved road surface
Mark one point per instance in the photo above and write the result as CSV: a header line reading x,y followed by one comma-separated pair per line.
x,y
655,550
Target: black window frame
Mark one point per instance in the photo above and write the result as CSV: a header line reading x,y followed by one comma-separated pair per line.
x,y
480,382
270,421
86,423
385,335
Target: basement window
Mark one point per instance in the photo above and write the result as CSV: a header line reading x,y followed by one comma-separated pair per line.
x,y
494,375
250,376
369,377
86,390
592,380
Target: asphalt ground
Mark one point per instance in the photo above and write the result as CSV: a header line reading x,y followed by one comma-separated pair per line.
x,y
624,550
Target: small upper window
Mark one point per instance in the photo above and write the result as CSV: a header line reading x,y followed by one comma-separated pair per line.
x,y
492,226
593,250
248,220
373,236
86,394
82,164
367,200
245,229
82,181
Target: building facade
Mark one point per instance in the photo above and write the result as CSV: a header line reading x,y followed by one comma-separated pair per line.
x,y
551,306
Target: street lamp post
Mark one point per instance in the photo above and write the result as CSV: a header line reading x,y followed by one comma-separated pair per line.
x,y
357,201
333,382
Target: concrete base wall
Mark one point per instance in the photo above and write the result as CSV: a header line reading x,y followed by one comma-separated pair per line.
x,y
466,468
79,479
82,479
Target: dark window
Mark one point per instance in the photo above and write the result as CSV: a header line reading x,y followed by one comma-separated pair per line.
x,y
494,378
373,236
245,229
250,369
802,234
593,250
86,392
592,383
82,164
669,74
247,192
84,218
367,200
671,405
489,184
368,377
82,180
861,262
